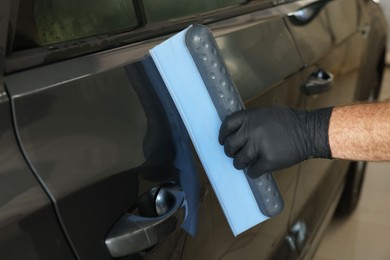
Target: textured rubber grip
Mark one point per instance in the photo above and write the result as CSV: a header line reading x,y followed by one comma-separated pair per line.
x,y
212,68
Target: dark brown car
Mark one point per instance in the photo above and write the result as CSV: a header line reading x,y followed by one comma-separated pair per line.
x,y
85,142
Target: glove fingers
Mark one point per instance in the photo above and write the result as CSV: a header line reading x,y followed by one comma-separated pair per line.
x,y
257,169
231,124
244,158
234,143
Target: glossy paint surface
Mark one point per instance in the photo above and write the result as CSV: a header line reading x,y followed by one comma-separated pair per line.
x,y
96,132
24,206
336,47
95,135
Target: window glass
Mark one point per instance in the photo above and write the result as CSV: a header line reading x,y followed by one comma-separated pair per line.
x,y
43,22
157,10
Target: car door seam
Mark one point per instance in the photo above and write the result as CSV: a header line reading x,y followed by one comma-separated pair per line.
x,y
39,179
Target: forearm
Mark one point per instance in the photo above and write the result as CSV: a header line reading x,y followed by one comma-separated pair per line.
x,y
273,138
360,132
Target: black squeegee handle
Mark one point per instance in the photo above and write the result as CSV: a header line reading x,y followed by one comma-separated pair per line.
x,y
212,68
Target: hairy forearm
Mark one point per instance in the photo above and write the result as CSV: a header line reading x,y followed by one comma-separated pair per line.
x,y
360,132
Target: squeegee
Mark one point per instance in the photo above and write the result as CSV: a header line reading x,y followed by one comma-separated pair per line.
x,y
199,83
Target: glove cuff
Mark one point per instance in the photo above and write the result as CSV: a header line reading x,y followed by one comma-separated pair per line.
x,y
318,126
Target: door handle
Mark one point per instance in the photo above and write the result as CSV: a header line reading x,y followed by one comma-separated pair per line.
x,y
306,13
134,233
319,82
297,236
365,30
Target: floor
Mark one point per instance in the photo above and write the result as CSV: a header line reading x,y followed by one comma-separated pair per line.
x,y
365,234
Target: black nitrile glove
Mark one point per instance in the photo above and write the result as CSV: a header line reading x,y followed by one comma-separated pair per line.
x,y
267,139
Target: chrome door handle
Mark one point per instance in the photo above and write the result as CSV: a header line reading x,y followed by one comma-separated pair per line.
x,y
306,13
319,82
133,233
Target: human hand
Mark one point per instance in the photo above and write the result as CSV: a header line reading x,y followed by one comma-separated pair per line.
x,y
268,139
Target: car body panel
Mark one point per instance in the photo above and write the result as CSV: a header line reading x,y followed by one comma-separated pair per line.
x,y
94,171
374,28
24,205
340,53
92,130
277,83
98,125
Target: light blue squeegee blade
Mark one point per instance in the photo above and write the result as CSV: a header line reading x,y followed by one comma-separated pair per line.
x,y
190,95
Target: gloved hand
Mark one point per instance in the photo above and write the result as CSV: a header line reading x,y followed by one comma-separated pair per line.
x,y
267,139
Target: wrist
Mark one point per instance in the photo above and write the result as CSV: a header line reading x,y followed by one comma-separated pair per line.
x,y
317,125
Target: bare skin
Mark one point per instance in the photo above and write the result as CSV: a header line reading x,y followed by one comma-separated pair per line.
x,y
361,132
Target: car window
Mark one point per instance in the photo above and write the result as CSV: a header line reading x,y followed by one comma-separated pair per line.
x,y
43,22
157,10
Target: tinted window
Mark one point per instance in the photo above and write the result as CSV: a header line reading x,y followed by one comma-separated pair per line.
x,y
157,10
43,22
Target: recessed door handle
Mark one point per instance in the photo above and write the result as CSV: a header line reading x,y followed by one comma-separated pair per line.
x,y
133,233
319,82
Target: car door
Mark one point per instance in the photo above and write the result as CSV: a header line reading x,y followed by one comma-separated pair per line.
x,y
265,66
332,52
24,205
97,137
